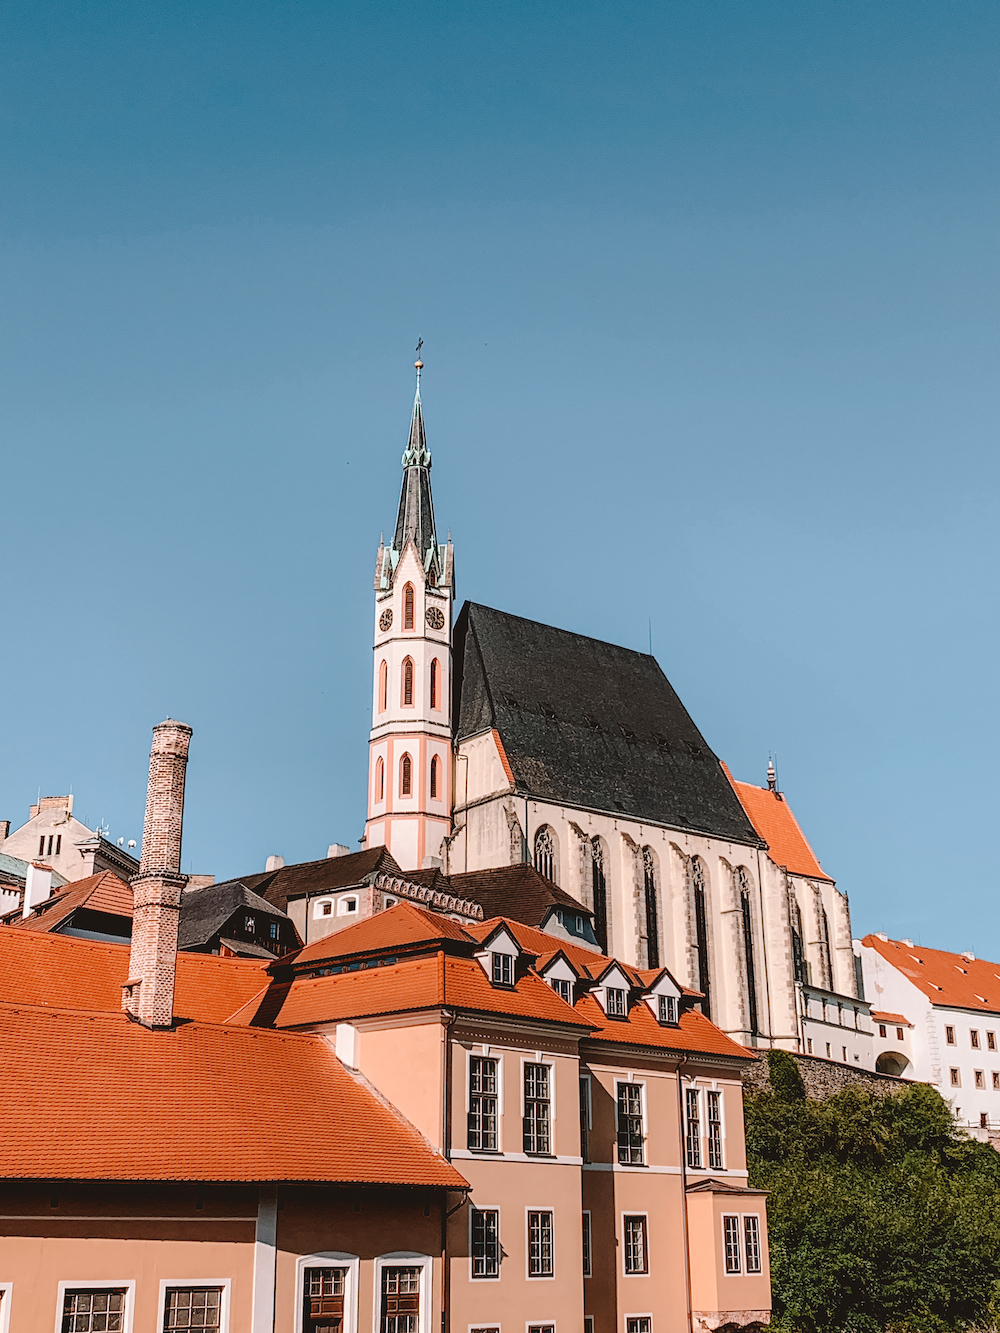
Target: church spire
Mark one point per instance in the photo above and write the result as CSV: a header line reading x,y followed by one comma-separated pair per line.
x,y
415,520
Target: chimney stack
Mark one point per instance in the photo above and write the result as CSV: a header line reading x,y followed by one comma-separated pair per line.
x,y
148,995
37,886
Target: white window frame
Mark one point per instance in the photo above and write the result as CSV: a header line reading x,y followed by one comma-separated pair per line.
x,y
637,1166
726,1270
318,905
483,1208
760,1245
698,1091
588,1323
225,1283
722,1127
539,1277
342,905
635,1212
6,1296
404,1259
330,1259
499,955
633,1315
539,1323
97,1284
485,1053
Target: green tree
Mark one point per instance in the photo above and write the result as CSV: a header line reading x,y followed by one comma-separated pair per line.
x,y
882,1215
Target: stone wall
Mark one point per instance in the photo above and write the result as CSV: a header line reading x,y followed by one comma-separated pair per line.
x,y
822,1078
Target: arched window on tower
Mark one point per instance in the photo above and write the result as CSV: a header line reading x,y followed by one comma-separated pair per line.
x,y
379,779
652,916
599,882
547,854
408,606
407,682
383,685
406,776
698,888
435,766
435,671
746,915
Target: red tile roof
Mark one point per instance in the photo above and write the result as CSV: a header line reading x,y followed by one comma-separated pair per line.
x,y
97,1097
60,972
98,893
898,1019
694,1033
945,978
772,818
401,927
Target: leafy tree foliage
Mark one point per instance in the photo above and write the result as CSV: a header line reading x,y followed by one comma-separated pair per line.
x,y
882,1214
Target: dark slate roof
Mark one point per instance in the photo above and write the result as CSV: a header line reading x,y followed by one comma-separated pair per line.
x,y
518,892
205,911
589,724
415,519
335,872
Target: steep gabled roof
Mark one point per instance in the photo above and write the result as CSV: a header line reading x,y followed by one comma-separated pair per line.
x,y
518,892
204,912
57,971
93,1096
772,817
104,893
589,724
953,979
404,927
326,876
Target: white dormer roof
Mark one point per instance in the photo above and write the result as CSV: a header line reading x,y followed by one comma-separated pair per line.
x,y
663,985
559,970
502,941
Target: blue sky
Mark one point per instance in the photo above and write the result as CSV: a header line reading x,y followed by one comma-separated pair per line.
x,y
709,300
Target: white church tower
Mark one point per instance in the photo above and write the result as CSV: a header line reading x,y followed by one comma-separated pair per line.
x,y
409,757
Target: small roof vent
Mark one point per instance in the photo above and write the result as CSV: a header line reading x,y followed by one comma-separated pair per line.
x,y
908,943
969,957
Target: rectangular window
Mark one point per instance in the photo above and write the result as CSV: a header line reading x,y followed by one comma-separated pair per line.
x,y
980,1078
996,1081
844,1049
984,1120
563,988
974,1038
715,1159
503,969
616,1002
668,1009
483,1104
731,1232
542,1328
630,1145
638,1324
192,1309
485,1242
693,1130
751,1243
588,1323
956,1078
94,1309
400,1300
58,844
899,1034
991,1041
539,1244
949,1035
41,845
537,1107
323,1299
586,1245
881,1029
829,1054
809,1045
635,1245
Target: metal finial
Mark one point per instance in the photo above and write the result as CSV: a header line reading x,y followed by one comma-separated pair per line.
x,y
418,364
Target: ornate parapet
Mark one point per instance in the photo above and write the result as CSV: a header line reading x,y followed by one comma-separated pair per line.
x,y
432,898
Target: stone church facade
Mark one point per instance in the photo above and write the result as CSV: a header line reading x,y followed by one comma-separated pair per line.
x,y
498,740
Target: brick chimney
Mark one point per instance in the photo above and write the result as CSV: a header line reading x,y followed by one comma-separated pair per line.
x,y
148,995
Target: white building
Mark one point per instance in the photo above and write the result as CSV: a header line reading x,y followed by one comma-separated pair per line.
x,y
937,1019
54,835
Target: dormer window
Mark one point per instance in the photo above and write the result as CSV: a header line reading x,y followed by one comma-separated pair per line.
x,y
249,924
667,1008
564,989
503,969
615,1006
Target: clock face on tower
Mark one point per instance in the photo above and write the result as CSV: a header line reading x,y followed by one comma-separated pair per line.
x,y
434,617
385,619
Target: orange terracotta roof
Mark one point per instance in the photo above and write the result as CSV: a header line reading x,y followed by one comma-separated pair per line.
x,y
945,978
772,818
402,926
60,972
588,962
200,1102
898,1019
640,1028
99,893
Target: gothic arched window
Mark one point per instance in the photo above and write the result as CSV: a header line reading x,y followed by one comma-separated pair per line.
x,y
743,889
408,682
547,854
435,668
406,776
408,606
827,949
652,917
434,777
379,779
599,883
798,951
701,933
383,685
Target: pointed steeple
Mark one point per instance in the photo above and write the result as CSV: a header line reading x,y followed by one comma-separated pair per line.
x,y
415,520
